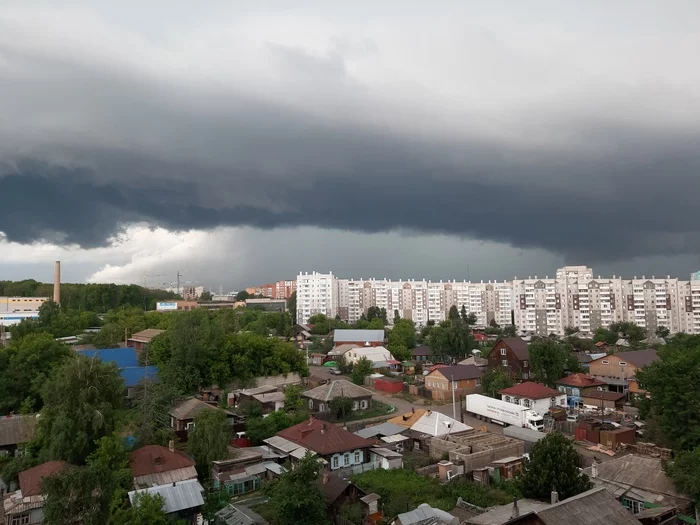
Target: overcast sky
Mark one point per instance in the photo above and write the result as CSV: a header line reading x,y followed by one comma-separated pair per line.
x,y
241,142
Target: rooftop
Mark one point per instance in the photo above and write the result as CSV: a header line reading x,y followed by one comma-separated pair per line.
x,y
425,512
269,397
16,429
146,335
459,372
134,375
605,396
518,346
122,357
383,429
530,390
30,479
349,336
153,459
190,408
437,424
338,388
240,515
323,438
342,349
421,351
580,380
409,418
638,358
503,513
333,486
176,496
592,507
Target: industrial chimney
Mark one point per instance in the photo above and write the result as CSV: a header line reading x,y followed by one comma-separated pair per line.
x,y
57,283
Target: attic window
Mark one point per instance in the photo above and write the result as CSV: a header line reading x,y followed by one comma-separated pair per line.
x,y
503,351
158,460
622,363
605,362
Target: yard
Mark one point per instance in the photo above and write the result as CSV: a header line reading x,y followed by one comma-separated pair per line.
x,y
378,409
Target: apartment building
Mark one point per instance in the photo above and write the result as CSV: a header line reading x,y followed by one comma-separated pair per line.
x,y
276,290
541,306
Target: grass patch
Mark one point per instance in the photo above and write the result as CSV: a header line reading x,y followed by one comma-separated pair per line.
x,y
413,459
402,490
378,409
406,397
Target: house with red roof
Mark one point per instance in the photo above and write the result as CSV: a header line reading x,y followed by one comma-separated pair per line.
x,y
25,506
535,396
154,465
578,386
339,447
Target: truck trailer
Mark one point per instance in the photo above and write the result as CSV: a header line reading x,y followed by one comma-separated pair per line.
x,y
503,413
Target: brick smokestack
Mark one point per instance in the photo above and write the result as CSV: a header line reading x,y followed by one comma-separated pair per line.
x,y
57,283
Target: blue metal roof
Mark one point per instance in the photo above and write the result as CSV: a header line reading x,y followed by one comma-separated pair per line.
x,y
123,357
133,375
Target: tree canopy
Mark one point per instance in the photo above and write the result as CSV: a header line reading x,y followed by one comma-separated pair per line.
x,y
209,440
362,369
550,360
553,465
494,380
402,338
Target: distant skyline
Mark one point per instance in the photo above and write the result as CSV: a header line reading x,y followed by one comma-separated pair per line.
x,y
242,143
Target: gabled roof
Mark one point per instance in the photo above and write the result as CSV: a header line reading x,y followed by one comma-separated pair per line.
x,y
240,515
459,372
383,429
640,358
606,396
16,429
190,408
517,346
323,438
409,418
421,351
338,388
342,349
365,336
146,335
593,507
134,375
122,357
30,479
176,496
333,487
436,424
579,380
425,512
153,459
531,390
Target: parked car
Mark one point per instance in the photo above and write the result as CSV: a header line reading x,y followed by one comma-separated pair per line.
x,y
335,371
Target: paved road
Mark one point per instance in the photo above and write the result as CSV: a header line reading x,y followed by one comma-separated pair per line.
x,y
403,406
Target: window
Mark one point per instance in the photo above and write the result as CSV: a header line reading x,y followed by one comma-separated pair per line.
x,y
526,403
524,364
363,403
553,401
478,381
346,459
311,404
525,375
22,519
358,457
506,399
504,362
622,363
189,426
605,362
354,405
335,461
503,351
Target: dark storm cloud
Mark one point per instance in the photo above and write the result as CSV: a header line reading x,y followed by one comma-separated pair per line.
x,y
90,144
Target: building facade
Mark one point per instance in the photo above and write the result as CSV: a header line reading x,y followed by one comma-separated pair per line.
x,y
574,296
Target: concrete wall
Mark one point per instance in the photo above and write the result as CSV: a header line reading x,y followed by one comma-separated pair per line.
x,y
476,456
290,379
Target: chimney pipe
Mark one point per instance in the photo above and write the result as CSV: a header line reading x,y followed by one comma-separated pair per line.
x,y
555,496
171,445
57,283
516,510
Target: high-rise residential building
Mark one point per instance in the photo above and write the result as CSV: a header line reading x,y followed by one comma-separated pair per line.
x,y
573,297
276,290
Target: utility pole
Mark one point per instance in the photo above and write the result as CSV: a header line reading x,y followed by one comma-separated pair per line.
x,y
454,406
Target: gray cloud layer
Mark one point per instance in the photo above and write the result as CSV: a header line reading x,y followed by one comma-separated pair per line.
x,y
274,134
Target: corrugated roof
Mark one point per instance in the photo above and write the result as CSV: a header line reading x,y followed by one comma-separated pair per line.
x,y
436,424
270,397
383,429
134,375
146,335
530,390
240,515
122,357
425,512
180,496
337,388
459,372
282,444
16,429
385,452
30,479
607,396
333,487
154,459
422,351
350,335
342,349
594,507
639,358
323,438
190,408
409,418
579,380
503,513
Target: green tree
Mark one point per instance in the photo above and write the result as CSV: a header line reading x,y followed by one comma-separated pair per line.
x,y
494,380
673,382
362,369
209,440
206,296
662,332
397,316
401,338
80,401
78,495
24,368
684,470
242,295
296,497
152,401
453,314
341,407
374,312
553,465
510,331
293,401
148,509
549,360
292,305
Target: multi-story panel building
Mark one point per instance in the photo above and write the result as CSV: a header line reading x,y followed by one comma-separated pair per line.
x,y
536,306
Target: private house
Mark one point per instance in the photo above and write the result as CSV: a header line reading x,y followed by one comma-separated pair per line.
x,y
332,443
127,362
422,354
619,370
535,396
512,354
338,491
385,458
638,482
462,379
577,386
155,465
319,398
584,359
302,335
140,339
270,402
25,506
374,354
431,425
238,515
408,419
603,399
317,359
425,514
15,430
182,500
339,351
475,360
358,337
183,414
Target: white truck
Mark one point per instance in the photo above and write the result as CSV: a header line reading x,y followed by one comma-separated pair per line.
x,y
503,413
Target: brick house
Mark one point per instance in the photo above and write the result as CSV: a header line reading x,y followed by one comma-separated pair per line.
x,y
578,386
464,379
511,353
619,370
